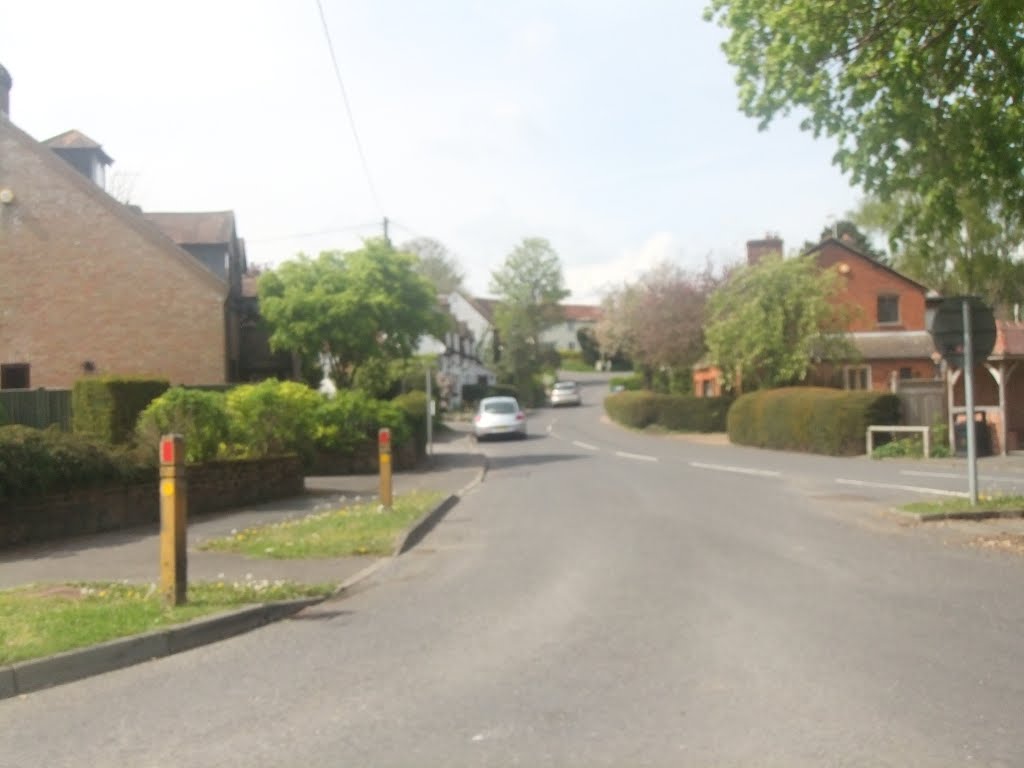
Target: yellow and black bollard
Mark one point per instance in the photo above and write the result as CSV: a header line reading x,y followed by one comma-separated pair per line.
x,y
384,451
173,514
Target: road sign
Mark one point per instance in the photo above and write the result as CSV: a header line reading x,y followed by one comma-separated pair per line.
x,y
947,329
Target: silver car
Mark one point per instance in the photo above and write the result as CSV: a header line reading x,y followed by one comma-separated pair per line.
x,y
499,416
565,393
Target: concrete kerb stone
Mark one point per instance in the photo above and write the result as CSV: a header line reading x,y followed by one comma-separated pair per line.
x,y
35,675
972,514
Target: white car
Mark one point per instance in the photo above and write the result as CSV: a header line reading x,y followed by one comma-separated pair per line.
x,y
565,393
497,416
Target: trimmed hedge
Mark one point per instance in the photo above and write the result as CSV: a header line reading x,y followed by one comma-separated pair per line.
x,y
632,383
679,413
40,461
200,416
413,406
810,419
108,407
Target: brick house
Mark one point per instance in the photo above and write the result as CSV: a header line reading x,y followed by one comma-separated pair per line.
x,y
87,285
887,326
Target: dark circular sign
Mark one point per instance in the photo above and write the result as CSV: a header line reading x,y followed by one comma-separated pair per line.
x,y
947,329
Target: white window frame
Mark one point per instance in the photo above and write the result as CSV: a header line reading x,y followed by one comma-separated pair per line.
x,y
862,374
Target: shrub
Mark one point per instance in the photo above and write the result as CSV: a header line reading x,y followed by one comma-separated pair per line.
x,y
413,407
351,419
108,407
35,462
680,413
201,417
810,419
373,376
272,417
632,409
632,383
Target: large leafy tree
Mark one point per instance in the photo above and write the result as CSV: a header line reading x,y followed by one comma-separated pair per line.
x,y
354,306
529,286
436,263
922,98
982,257
768,323
657,322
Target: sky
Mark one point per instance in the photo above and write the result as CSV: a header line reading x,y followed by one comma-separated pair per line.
x,y
611,129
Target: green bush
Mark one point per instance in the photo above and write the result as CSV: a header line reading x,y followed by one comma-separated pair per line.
x,y
574,361
351,419
108,407
272,418
201,417
373,376
905,447
36,462
413,407
632,383
810,419
679,413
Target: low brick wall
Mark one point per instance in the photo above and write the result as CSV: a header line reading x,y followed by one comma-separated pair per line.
x,y
364,461
211,487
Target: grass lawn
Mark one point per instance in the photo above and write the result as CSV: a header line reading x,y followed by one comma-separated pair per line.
x,y
40,621
953,506
363,529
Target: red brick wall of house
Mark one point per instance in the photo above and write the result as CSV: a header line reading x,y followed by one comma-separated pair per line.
x,y
864,281
80,283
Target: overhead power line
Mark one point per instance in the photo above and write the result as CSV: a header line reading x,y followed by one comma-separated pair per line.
x,y
348,108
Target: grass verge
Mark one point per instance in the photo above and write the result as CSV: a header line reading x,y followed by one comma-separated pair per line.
x,y
40,621
362,529
947,507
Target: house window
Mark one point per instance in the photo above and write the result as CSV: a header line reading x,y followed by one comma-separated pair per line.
x,y
906,373
888,309
14,376
857,377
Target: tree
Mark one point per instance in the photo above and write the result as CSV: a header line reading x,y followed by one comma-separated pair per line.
x,y
982,257
658,322
922,98
352,306
436,263
770,322
529,287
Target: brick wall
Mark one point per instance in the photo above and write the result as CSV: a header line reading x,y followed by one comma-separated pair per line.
x,y
82,280
211,487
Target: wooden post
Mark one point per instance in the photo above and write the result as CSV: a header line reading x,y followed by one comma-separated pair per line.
x,y
384,453
173,513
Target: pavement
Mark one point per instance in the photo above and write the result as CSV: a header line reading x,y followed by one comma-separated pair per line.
x,y
132,555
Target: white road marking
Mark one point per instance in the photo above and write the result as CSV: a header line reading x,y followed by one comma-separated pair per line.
x,y
588,446
896,487
955,476
738,470
637,456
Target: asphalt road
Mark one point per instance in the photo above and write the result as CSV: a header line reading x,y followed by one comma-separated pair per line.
x,y
606,598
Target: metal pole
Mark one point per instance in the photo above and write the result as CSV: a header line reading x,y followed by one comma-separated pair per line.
x,y
972,448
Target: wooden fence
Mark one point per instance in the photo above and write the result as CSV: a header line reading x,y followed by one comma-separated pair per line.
x,y
37,408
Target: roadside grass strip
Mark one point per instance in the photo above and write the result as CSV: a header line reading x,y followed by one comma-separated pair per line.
x,y
361,529
41,620
987,506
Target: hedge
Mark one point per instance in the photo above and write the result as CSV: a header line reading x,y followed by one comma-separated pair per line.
x,y
810,419
41,461
680,413
108,407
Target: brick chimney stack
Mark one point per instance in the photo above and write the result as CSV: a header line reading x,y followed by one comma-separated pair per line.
x,y
5,92
758,249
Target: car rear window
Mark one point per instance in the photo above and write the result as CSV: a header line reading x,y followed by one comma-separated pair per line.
x,y
566,385
505,407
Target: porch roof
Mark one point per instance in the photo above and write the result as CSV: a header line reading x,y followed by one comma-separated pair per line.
x,y
893,345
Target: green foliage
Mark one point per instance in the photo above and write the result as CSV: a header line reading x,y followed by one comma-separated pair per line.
x,y
810,419
590,349
3,415
920,98
631,383
529,286
769,322
351,419
373,376
939,446
201,417
35,462
679,413
911,447
573,361
272,418
108,407
355,306
413,407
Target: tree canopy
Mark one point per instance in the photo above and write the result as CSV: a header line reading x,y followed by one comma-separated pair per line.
x,y
922,98
436,263
529,286
359,305
769,321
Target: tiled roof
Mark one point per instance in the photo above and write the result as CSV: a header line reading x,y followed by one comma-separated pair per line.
x,y
891,345
195,228
582,312
77,140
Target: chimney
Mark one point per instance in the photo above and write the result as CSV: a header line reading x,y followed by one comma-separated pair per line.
x,y
758,249
5,92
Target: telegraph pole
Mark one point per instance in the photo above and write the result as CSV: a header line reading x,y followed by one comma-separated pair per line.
x,y
387,238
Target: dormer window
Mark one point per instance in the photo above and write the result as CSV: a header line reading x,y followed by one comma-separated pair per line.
x,y
888,309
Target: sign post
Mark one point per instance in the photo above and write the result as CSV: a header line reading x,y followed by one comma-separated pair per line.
x,y
384,454
963,330
173,512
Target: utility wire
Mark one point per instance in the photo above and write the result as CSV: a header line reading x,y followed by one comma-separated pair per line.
x,y
348,108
